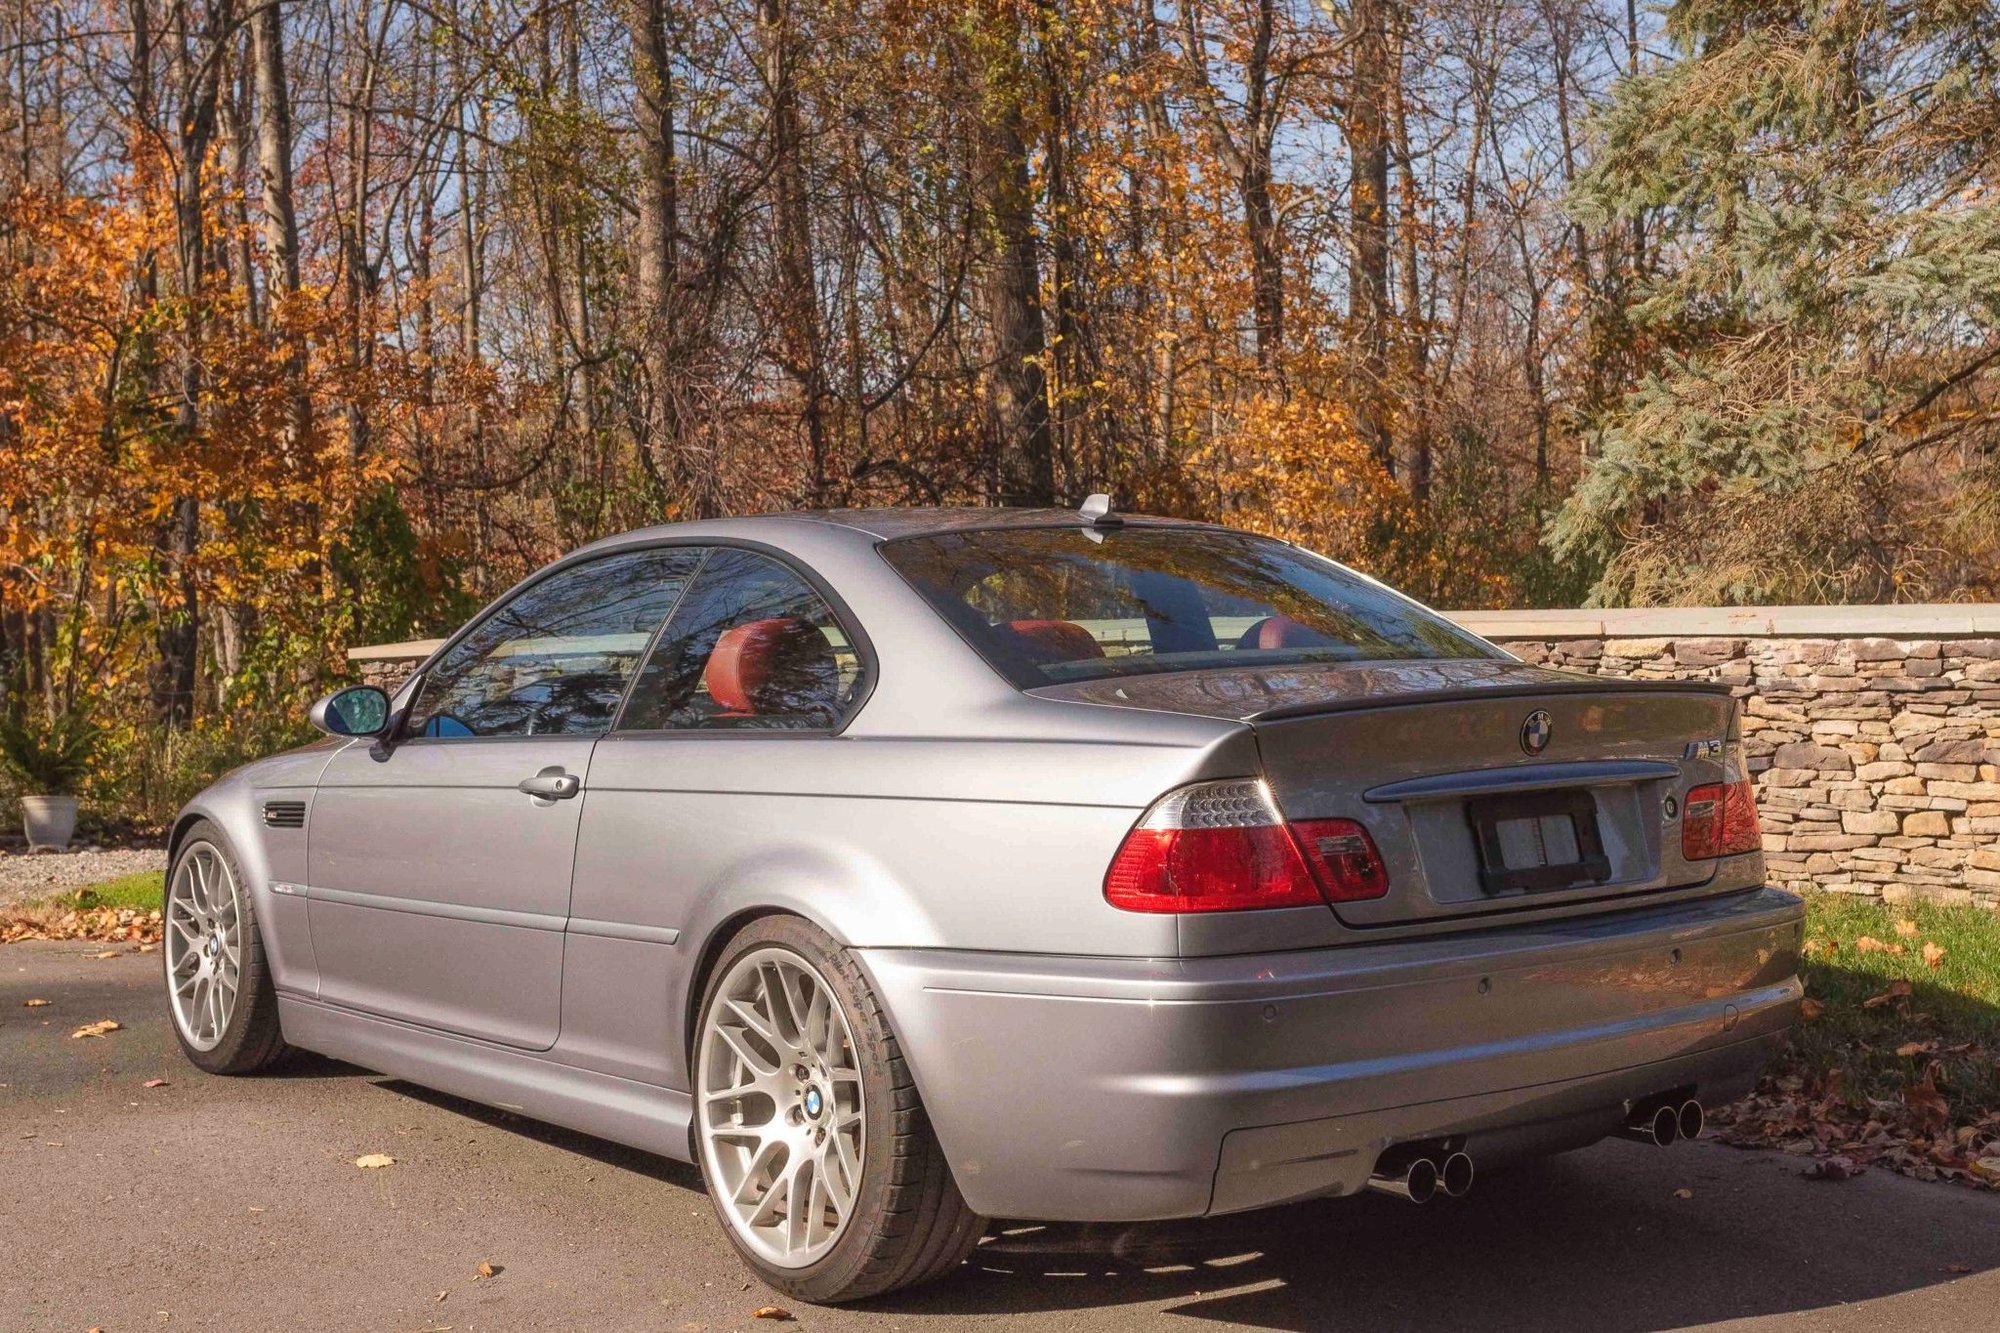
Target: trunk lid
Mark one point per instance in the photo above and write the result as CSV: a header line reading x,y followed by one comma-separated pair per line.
x,y
1488,786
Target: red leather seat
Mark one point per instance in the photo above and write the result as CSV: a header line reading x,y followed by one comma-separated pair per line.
x,y
776,667
1049,641
1279,632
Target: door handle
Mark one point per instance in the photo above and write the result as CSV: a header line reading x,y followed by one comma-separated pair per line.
x,y
552,784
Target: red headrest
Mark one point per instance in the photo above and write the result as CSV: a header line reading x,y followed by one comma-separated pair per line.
x,y
1280,632
1046,641
781,665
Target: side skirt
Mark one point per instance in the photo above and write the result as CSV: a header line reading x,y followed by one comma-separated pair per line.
x,y
638,1115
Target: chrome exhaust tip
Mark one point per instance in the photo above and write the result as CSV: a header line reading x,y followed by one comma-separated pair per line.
x,y
1418,1183
1455,1176
1690,1119
1659,1126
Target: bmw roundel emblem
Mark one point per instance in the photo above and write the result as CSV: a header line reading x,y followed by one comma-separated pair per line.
x,y
1537,731
813,1103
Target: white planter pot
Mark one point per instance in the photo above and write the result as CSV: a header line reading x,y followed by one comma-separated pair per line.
x,y
49,820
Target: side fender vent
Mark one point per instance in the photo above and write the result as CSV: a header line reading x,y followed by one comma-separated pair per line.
x,y
285,814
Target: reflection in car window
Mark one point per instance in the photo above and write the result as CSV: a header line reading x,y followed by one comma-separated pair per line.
x,y
1060,604
750,647
555,660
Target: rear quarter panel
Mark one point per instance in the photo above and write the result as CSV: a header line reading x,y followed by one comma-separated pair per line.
x,y
883,842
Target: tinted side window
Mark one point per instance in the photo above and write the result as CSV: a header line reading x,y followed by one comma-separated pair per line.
x,y
556,659
751,646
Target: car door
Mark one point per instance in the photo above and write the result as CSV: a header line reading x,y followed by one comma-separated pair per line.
x,y
439,866
743,693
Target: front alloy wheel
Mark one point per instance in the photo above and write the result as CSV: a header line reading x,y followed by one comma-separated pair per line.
x,y
219,989
204,944
814,1143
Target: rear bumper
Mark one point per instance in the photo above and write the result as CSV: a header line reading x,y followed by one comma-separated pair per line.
x,y
1108,1089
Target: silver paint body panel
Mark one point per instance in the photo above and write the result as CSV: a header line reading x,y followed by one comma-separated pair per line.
x,y
1078,1061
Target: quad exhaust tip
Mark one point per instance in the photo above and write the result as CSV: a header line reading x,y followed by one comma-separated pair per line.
x,y
1418,1183
1662,1123
1455,1176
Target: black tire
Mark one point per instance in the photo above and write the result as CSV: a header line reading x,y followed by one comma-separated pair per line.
x,y
909,1224
251,1039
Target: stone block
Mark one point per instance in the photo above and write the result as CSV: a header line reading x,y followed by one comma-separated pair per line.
x,y
1805,755
1926,824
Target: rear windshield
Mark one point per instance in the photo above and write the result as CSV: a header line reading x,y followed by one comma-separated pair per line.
x,y
1046,605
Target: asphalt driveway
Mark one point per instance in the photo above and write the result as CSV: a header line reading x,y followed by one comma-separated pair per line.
x,y
235,1204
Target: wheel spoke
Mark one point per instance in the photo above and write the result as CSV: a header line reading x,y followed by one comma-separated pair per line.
x,y
746,1052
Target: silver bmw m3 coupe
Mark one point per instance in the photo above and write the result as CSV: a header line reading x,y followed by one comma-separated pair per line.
x,y
907,869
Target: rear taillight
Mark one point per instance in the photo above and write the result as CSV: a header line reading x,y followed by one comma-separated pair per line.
x,y
1720,819
1223,847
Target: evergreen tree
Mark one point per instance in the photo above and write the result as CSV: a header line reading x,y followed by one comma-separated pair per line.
x,y
1820,324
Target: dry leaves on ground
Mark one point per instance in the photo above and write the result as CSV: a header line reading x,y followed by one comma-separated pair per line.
x,y
113,925
1911,1133
98,1029
374,1160
1899,989
35,1004
1932,954
771,1312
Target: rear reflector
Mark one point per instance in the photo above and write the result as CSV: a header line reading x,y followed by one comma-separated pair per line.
x,y
1344,857
1720,820
1223,847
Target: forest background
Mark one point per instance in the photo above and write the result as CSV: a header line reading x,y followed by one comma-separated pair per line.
x,y
322,321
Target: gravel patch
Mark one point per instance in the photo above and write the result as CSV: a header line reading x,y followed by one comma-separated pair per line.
x,y
39,874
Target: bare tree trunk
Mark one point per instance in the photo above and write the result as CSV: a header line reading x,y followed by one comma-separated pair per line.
x,y
1413,444
801,353
1267,273
1022,470
178,637
691,471
280,214
1368,278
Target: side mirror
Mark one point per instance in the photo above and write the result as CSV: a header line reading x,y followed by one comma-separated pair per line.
x,y
359,710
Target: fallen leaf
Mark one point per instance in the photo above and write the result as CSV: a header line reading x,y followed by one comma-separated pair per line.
x,y
1809,1008
35,1004
1898,989
370,1161
1986,1168
1906,928
156,1083
771,1312
108,953
1910,1048
1837,1167
1932,954
487,1268
1869,944
98,1029
1958,1268
1683,1193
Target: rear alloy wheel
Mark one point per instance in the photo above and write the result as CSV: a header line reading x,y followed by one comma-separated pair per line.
x,y
219,991
813,1142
